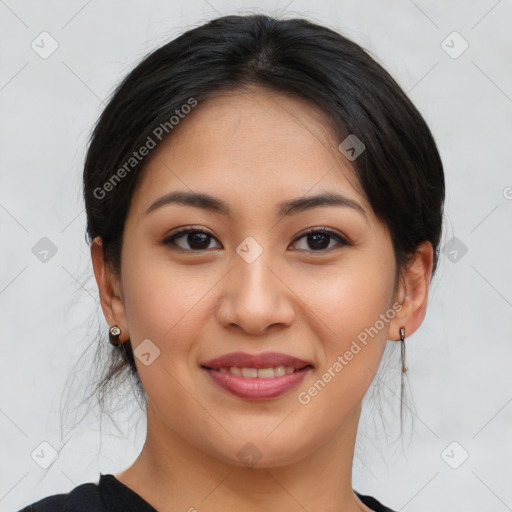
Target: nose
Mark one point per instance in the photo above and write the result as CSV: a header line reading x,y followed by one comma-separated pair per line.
x,y
255,297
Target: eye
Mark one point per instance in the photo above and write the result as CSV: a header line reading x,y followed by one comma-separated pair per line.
x,y
197,239
320,239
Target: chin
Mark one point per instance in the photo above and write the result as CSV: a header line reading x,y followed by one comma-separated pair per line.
x,y
260,452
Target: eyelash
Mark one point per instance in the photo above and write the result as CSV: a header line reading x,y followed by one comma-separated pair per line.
x,y
342,241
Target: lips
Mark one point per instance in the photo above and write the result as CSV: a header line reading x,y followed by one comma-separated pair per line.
x,y
257,376
264,360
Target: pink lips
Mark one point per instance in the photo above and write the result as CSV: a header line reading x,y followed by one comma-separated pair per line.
x,y
257,388
264,360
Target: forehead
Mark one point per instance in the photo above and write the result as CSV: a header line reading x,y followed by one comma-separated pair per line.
x,y
251,145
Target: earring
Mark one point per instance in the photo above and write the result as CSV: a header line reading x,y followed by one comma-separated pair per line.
x,y
402,349
114,333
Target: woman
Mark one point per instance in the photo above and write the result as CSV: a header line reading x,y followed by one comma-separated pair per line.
x,y
264,212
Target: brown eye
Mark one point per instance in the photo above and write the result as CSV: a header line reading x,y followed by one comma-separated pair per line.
x,y
196,239
319,239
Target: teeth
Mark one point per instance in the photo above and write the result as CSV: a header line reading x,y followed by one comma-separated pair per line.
x,y
266,373
249,372
279,371
260,373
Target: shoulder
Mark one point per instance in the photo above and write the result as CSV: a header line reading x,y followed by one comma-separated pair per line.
x,y
374,504
83,498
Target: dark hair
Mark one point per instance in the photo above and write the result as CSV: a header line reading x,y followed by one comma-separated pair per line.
x,y
400,171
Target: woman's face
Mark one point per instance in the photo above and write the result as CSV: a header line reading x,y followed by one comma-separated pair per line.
x,y
256,283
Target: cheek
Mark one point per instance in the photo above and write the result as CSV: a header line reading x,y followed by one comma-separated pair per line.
x,y
166,303
352,308
162,304
350,298
160,300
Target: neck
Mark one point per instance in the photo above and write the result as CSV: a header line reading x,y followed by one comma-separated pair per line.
x,y
172,475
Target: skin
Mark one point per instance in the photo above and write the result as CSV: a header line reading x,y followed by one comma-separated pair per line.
x,y
253,149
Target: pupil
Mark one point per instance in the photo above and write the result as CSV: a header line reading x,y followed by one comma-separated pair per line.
x,y
198,239
316,236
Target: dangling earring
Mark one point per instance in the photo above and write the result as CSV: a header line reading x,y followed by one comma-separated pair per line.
x,y
402,349
114,333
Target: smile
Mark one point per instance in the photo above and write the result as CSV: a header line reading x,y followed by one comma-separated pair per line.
x,y
260,373
260,376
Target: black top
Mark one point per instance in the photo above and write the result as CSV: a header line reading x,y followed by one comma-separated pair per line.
x,y
111,495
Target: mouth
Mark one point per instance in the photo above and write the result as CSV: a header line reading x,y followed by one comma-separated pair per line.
x,y
257,376
259,373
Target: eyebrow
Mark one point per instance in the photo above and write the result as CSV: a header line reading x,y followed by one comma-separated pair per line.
x,y
284,208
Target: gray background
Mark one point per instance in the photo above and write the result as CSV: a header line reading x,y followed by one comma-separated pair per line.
x,y
459,360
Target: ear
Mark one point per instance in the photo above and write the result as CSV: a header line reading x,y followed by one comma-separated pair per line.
x,y
412,292
110,290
